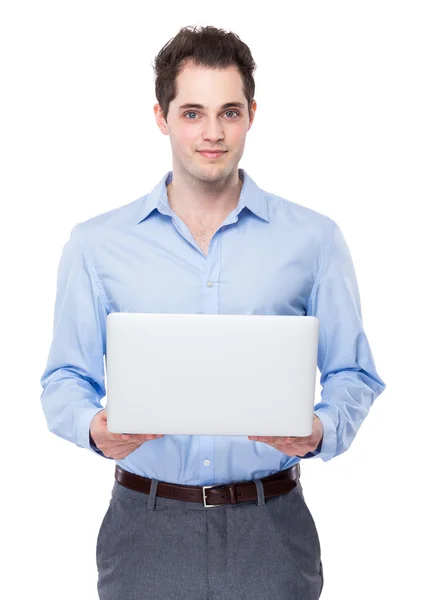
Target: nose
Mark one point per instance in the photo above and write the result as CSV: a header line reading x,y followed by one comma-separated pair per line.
x,y
213,130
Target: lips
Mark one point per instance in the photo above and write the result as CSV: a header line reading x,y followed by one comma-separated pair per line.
x,y
211,154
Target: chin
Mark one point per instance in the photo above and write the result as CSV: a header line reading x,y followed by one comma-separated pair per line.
x,y
214,175
206,173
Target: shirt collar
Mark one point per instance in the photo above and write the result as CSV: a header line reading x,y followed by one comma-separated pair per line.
x,y
251,197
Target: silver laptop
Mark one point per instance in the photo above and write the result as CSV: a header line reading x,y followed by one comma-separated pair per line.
x,y
202,374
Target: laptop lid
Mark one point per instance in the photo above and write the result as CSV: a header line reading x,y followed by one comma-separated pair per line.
x,y
202,374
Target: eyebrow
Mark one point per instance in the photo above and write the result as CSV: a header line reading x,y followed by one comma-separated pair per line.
x,y
201,106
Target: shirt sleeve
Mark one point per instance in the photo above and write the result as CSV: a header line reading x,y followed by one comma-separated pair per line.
x,y
73,379
349,380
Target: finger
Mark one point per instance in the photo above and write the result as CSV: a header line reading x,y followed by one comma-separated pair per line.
x,y
129,436
115,436
278,439
125,437
123,444
292,448
121,455
112,446
133,442
140,436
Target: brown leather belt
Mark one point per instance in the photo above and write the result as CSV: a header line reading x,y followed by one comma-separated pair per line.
x,y
213,495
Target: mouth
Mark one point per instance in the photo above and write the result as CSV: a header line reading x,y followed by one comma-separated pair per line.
x,y
211,154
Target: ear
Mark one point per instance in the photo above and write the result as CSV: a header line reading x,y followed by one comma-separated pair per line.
x,y
252,113
159,117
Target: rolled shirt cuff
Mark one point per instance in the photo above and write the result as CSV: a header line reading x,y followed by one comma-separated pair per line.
x,y
326,448
84,438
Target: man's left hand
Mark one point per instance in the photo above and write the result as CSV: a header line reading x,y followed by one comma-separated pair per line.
x,y
295,446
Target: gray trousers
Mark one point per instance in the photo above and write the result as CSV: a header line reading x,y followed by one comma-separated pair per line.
x,y
153,548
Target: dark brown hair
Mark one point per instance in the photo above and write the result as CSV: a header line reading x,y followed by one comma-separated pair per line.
x,y
204,46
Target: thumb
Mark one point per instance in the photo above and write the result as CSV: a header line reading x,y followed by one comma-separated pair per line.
x,y
101,417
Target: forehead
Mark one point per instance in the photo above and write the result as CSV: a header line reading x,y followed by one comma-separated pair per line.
x,y
209,86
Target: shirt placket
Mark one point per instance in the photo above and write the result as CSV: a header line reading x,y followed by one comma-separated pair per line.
x,y
211,284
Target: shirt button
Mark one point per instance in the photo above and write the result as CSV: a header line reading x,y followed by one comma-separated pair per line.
x,y
207,463
210,283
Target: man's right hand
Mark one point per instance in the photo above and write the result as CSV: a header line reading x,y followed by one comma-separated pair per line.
x,y
116,445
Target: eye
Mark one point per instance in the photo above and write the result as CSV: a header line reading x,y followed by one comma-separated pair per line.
x,y
192,112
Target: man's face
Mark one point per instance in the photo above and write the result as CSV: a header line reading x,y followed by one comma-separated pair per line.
x,y
220,125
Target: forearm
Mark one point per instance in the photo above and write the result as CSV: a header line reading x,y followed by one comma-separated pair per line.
x,y
349,379
73,379
346,400
69,403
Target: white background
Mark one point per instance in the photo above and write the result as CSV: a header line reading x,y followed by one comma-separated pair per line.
x,y
337,128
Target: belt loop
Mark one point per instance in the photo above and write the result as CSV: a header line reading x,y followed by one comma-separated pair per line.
x,y
260,492
152,494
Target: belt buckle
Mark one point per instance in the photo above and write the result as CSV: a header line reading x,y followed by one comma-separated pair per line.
x,y
207,487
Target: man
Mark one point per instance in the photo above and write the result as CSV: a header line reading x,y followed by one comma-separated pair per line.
x,y
207,239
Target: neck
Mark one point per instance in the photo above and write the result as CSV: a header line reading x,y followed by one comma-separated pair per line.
x,y
208,200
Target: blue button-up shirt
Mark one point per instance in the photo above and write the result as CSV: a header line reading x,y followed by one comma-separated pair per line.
x,y
270,256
